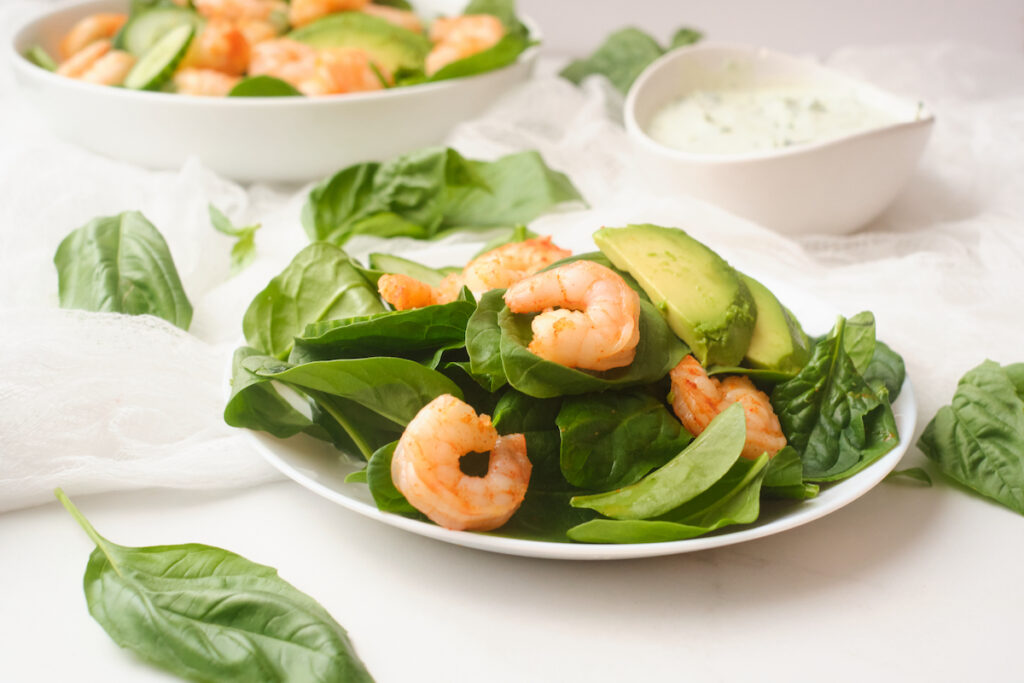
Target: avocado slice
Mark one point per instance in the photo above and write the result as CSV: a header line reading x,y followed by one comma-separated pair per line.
x,y
778,342
390,46
704,300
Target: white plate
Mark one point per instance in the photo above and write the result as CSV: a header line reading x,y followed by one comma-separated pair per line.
x,y
250,138
321,469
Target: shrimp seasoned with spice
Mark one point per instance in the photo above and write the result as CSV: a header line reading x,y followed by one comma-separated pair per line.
x,y
510,263
220,46
596,325
289,60
239,10
697,399
204,82
98,63
89,30
342,70
405,292
425,467
458,37
302,12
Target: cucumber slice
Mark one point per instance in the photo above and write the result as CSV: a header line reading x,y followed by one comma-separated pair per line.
x,y
389,263
40,57
143,30
158,64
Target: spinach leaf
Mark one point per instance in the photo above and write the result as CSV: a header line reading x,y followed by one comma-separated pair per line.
x,y
517,413
687,475
205,613
378,477
611,440
38,55
978,439
624,55
121,264
885,371
545,516
506,51
483,339
784,477
394,388
320,283
355,430
658,352
244,249
859,339
394,333
389,263
256,404
505,10
263,86
831,416
514,190
734,499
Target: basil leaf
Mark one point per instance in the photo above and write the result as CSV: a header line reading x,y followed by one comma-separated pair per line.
x,y
263,86
205,613
978,439
624,55
831,416
611,440
658,351
915,474
320,283
121,264
244,250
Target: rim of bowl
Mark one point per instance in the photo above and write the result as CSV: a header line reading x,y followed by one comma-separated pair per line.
x,y
20,61
925,117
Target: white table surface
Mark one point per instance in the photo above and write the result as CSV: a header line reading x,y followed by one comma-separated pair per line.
x,y
907,583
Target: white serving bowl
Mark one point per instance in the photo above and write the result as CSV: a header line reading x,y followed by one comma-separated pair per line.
x,y
829,187
248,139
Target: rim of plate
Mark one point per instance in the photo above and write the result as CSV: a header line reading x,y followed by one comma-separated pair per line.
x,y
831,499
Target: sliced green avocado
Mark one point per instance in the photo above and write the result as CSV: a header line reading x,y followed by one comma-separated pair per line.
x,y
390,46
703,299
778,342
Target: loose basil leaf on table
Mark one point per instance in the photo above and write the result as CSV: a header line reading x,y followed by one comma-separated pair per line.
x,y
611,440
121,264
831,416
205,613
320,283
244,250
658,351
624,55
978,439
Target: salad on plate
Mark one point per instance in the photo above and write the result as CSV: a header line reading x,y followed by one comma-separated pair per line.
x,y
645,392
278,48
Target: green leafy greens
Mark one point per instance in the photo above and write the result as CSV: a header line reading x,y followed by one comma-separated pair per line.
x,y
205,613
121,264
244,250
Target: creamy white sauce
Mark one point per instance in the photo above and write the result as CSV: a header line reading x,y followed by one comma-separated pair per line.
x,y
739,121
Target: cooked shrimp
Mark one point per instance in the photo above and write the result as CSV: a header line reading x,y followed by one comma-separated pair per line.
x,y
597,324
405,292
204,82
219,46
344,69
425,467
283,58
697,399
510,263
458,37
399,17
302,12
237,10
90,29
84,59
110,69
256,30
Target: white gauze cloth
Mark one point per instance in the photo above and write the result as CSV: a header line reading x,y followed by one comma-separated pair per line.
x,y
102,402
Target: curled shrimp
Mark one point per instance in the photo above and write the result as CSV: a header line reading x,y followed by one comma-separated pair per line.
x,y
238,10
98,63
597,324
283,58
458,37
90,29
342,70
425,467
399,17
404,292
204,82
302,12
510,263
220,46
697,399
